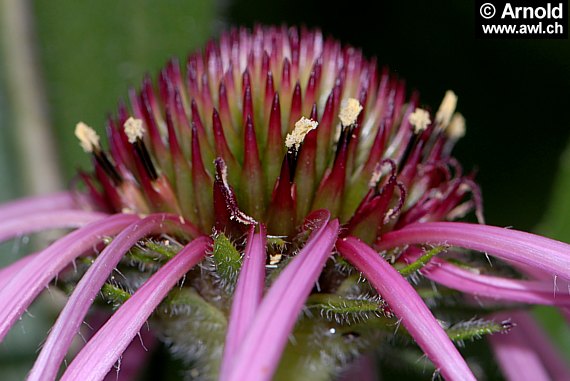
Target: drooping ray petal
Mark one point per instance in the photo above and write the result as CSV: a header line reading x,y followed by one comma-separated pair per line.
x,y
526,248
539,274
33,277
72,315
138,352
532,292
537,339
54,201
557,284
106,347
524,291
517,358
6,273
362,369
247,295
52,219
408,306
258,356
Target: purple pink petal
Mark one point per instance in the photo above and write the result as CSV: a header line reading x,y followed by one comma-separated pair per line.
x,y
138,352
247,295
493,287
408,306
37,273
511,245
550,356
258,356
51,219
361,369
518,355
72,315
29,205
105,348
6,273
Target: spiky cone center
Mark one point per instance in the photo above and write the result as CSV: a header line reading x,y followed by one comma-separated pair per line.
x,y
296,123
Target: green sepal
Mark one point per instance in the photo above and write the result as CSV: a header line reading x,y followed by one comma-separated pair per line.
x,y
166,251
475,329
227,260
346,310
423,260
153,253
114,295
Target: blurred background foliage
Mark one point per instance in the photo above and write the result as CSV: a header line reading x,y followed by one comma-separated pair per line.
x,y
514,94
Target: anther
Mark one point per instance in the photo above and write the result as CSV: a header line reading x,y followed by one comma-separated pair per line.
x,y
89,141
348,115
446,109
303,126
295,139
456,128
419,119
349,112
134,130
88,138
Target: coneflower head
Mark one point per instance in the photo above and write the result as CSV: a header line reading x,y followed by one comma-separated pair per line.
x,y
272,210
267,128
298,123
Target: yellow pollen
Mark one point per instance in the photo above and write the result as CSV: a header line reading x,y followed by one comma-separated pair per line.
x,y
302,128
419,119
446,109
349,111
379,171
389,214
134,129
376,175
88,138
275,259
374,179
456,128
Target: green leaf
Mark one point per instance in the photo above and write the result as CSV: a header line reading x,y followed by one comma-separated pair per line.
x,y
556,224
92,52
9,179
556,221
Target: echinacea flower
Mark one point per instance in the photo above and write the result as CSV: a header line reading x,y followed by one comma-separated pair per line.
x,y
275,210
